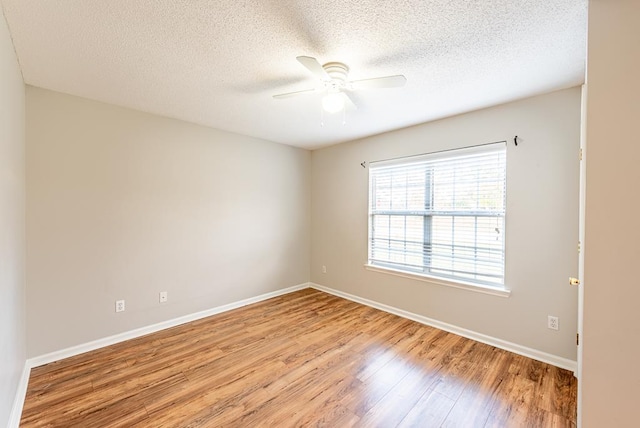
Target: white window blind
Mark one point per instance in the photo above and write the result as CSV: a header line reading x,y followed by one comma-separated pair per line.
x,y
441,214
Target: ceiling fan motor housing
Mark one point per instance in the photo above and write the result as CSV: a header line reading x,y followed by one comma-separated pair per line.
x,y
338,72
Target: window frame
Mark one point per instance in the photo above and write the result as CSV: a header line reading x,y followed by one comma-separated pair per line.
x,y
425,272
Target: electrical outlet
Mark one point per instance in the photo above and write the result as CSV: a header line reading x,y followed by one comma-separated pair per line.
x,y
119,305
324,269
552,322
163,297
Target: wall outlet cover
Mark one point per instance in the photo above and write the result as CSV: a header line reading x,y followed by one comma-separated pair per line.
x,y
552,322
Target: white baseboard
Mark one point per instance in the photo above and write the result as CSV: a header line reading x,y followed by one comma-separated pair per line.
x,y
132,334
18,401
554,360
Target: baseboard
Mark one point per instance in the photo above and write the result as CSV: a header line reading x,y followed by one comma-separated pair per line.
x,y
18,401
132,334
554,360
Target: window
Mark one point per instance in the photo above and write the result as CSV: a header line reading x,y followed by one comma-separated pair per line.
x,y
441,214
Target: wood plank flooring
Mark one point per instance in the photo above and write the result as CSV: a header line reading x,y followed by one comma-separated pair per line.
x,y
304,359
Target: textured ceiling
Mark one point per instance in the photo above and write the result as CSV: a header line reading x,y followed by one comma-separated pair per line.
x,y
218,63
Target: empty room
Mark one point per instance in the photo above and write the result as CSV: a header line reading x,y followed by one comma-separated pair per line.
x,y
306,213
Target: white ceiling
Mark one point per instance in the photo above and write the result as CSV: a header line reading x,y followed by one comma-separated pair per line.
x,y
218,63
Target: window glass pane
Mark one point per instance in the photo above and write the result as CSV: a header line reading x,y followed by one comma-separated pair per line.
x,y
382,193
399,191
416,189
442,244
415,229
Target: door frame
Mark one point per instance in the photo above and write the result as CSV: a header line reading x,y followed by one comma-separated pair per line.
x,y
581,243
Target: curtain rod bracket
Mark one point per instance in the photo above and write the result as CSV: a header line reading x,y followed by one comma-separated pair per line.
x,y
515,140
364,164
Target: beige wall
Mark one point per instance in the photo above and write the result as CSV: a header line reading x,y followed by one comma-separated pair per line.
x,y
611,381
12,241
123,205
542,221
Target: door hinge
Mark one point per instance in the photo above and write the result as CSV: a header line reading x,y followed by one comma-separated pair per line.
x,y
577,339
580,153
579,247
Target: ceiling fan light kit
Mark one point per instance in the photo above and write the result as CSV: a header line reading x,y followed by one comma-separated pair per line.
x,y
334,81
333,102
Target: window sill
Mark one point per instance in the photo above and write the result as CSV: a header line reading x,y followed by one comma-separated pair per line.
x,y
501,292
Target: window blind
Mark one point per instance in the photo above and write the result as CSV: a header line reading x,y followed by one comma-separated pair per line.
x,y
441,214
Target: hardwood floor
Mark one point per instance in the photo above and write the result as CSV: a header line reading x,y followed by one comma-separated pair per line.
x,y
303,359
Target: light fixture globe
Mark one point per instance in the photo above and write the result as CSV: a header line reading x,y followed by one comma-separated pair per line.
x,y
333,102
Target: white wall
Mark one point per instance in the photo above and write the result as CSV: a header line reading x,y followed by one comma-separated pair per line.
x,y
12,241
123,205
542,221
611,382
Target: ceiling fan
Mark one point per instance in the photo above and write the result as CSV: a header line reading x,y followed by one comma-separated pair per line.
x,y
334,81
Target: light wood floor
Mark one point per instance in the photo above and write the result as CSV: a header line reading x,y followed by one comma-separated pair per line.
x,y
303,359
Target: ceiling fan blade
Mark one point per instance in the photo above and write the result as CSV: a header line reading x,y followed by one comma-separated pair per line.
x,y
314,67
293,94
348,102
380,82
